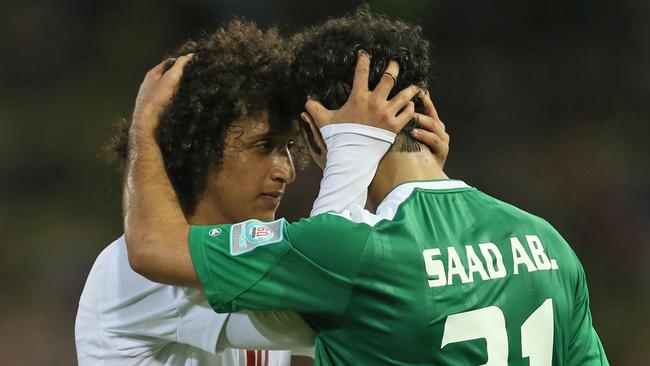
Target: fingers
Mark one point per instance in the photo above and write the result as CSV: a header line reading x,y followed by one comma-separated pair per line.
x,y
173,75
403,98
431,125
433,141
319,114
431,132
158,70
388,80
404,117
361,72
429,108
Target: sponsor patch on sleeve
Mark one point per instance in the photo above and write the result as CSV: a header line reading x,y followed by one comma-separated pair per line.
x,y
251,234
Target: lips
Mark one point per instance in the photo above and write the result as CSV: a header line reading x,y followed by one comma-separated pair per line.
x,y
274,194
274,197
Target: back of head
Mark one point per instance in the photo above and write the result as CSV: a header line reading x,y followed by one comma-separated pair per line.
x,y
233,75
326,54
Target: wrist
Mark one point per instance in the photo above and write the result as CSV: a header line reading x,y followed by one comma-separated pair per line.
x,y
145,121
141,140
141,131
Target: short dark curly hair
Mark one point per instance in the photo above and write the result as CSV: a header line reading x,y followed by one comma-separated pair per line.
x,y
234,74
326,55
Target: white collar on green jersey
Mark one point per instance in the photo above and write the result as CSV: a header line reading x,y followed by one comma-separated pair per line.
x,y
389,205
397,195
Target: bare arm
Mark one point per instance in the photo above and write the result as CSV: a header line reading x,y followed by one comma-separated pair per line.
x,y
154,225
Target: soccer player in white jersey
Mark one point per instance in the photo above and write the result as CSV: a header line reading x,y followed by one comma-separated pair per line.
x,y
126,319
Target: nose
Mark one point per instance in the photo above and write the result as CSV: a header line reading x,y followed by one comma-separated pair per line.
x,y
283,170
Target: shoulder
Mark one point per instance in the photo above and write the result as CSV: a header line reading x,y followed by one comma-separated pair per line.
x,y
521,220
334,241
119,295
354,225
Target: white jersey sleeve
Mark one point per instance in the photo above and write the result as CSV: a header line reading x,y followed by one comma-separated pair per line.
x,y
346,177
125,319
268,330
122,314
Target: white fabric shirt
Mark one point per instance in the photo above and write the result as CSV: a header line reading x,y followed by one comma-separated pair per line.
x,y
126,319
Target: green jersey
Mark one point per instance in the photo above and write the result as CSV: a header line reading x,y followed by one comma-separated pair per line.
x,y
442,274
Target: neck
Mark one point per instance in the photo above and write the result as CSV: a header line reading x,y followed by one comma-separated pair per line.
x,y
206,213
399,167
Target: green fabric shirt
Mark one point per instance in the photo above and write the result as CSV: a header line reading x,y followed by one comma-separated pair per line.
x,y
443,274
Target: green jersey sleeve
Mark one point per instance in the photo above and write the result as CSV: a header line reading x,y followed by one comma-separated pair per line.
x,y
585,347
308,266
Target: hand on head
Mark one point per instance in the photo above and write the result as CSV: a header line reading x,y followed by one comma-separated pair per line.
x,y
155,93
369,107
372,108
431,131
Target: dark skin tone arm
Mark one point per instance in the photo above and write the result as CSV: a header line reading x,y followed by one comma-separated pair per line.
x,y
156,231
153,219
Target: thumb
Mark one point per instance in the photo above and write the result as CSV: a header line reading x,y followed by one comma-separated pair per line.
x,y
314,130
320,115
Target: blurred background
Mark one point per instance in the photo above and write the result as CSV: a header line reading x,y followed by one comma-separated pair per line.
x,y
547,103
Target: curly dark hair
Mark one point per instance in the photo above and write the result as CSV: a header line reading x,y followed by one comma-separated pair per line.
x,y
326,55
234,74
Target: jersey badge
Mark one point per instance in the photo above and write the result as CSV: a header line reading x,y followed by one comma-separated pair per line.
x,y
251,234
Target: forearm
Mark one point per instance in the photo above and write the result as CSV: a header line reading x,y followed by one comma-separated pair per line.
x,y
353,155
154,225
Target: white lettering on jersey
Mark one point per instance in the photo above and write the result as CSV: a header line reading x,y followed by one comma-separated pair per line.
x,y
494,260
455,267
489,265
541,259
434,267
475,264
519,256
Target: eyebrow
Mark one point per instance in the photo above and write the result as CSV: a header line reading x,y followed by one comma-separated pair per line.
x,y
260,136
271,134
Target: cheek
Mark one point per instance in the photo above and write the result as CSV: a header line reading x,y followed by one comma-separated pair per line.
x,y
242,178
235,168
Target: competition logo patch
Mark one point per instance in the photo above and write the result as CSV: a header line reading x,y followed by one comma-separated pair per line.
x,y
256,233
251,234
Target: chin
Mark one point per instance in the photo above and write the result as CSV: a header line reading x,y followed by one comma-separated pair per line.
x,y
265,216
269,217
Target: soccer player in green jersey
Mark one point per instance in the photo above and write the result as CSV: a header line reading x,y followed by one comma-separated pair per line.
x,y
434,273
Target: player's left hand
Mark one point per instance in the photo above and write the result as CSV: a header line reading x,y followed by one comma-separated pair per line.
x,y
431,131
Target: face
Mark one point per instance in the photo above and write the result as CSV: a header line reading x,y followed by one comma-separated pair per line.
x,y
256,169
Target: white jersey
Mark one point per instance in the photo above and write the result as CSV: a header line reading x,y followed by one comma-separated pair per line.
x,y
126,319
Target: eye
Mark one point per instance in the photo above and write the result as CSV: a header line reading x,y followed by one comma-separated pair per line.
x,y
264,145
